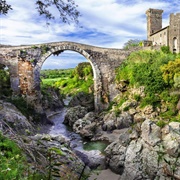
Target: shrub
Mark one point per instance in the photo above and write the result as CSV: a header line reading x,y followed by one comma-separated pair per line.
x,y
170,71
5,89
150,99
142,68
165,49
137,97
161,123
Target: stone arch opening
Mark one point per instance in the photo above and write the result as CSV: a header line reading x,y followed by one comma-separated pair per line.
x,y
58,50
174,44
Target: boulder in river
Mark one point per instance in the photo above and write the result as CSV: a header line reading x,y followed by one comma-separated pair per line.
x,y
83,99
86,126
111,121
73,114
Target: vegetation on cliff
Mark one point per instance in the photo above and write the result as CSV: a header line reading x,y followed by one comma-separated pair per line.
x,y
12,162
4,81
158,73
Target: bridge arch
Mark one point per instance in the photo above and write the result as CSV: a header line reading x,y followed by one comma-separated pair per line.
x,y
58,50
25,62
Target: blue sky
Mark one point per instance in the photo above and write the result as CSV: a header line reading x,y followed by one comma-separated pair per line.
x,y
106,23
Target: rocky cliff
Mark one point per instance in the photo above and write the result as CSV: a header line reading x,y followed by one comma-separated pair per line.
x,y
45,156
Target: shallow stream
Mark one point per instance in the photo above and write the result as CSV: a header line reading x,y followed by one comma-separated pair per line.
x,y
77,142
83,148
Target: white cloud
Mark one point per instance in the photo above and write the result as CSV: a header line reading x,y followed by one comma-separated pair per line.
x,y
106,23
67,59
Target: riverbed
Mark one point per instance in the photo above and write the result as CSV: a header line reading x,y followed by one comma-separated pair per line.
x,y
91,153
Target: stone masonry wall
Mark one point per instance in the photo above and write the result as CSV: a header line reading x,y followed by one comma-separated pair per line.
x,y
174,32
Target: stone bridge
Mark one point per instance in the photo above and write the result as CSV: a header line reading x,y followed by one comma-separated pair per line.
x,y
25,62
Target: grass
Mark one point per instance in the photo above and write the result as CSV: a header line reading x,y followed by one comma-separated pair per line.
x,y
12,164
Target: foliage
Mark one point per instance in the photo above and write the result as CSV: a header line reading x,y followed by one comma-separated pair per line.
x,y
151,99
26,109
142,68
56,73
132,43
12,164
83,70
157,71
4,7
137,97
165,49
70,81
171,72
67,9
161,123
44,49
5,89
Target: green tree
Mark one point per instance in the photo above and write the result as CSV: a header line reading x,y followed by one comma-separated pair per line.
x,y
131,43
143,68
67,9
4,7
171,72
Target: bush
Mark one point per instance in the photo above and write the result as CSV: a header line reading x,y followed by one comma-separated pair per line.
x,y
161,123
137,97
159,73
165,49
5,87
151,99
142,68
171,72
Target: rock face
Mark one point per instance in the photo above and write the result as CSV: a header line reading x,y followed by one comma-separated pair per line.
x,y
45,154
64,163
74,113
93,159
147,152
111,121
11,119
84,100
51,99
86,126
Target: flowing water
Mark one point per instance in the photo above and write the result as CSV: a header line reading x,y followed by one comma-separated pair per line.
x,y
84,148
77,142
60,128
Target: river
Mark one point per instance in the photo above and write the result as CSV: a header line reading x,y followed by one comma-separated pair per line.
x,y
90,152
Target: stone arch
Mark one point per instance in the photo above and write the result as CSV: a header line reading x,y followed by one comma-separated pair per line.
x,y
174,44
59,49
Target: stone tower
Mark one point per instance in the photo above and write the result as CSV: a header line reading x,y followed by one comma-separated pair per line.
x,y
154,21
174,33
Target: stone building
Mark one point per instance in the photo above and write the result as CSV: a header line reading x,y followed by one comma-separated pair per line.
x,y
168,36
